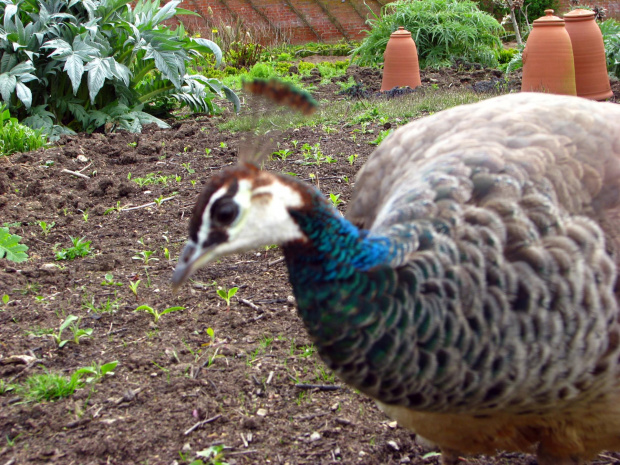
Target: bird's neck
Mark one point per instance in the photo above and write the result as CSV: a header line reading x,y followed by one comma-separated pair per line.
x,y
348,294
335,249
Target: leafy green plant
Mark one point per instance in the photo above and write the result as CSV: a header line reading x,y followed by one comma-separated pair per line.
x,y
227,294
80,248
145,256
108,280
211,333
88,64
118,208
442,30
282,154
335,199
133,285
10,248
188,168
72,322
79,333
610,29
155,313
16,137
96,372
6,387
214,455
381,137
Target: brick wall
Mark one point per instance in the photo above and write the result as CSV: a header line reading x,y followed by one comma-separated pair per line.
x,y
301,21
612,6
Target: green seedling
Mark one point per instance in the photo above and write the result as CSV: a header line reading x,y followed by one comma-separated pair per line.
x,y
335,199
110,306
295,142
166,253
5,301
108,280
282,154
5,387
117,208
178,178
79,333
132,144
381,137
188,168
223,145
211,335
80,248
212,357
95,372
207,153
133,285
323,375
85,216
214,455
193,182
352,158
265,342
73,323
155,313
145,256
307,351
159,200
46,227
227,294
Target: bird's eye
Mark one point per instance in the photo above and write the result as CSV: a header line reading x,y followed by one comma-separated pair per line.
x,y
224,211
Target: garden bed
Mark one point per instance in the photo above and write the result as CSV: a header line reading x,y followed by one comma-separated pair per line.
x,y
204,376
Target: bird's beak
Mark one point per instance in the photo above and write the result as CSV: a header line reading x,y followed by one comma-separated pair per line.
x,y
192,258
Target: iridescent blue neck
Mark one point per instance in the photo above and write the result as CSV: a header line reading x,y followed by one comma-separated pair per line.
x,y
335,249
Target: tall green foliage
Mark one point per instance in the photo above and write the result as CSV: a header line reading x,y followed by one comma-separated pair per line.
x,y
610,28
84,64
16,137
442,30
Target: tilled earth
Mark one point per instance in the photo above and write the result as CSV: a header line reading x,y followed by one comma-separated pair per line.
x,y
251,384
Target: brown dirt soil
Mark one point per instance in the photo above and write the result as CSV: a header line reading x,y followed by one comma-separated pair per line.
x,y
174,391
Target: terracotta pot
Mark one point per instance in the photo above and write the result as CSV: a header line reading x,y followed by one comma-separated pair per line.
x,y
401,67
589,52
548,64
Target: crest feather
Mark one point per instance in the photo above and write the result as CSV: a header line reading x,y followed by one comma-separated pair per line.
x,y
255,149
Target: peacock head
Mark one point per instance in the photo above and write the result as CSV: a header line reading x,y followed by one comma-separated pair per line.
x,y
240,209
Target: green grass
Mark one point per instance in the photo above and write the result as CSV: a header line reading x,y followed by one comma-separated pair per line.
x,y
48,386
405,108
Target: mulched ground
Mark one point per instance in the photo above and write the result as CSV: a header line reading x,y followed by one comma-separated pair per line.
x,y
175,391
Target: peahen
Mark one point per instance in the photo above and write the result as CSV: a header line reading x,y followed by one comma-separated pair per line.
x,y
472,287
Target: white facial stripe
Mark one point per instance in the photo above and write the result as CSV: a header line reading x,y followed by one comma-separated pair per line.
x,y
205,225
263,220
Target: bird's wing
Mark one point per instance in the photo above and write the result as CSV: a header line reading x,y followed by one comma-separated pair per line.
x,y
566,146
